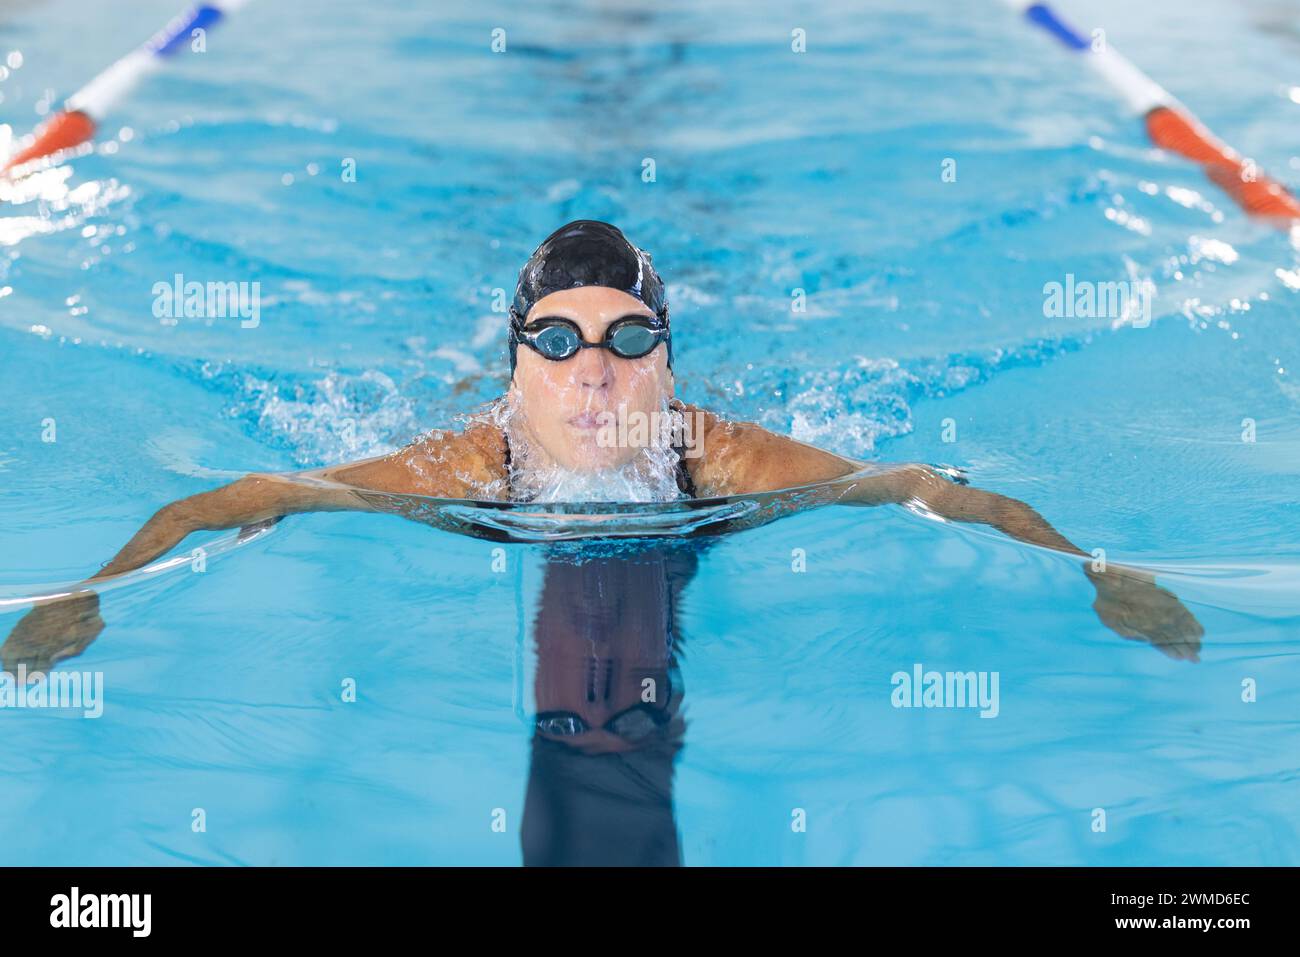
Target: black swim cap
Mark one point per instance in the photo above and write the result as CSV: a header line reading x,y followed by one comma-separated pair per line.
x,y
587,252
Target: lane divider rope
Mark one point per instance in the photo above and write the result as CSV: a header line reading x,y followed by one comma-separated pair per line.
x,y
1169,124
86,109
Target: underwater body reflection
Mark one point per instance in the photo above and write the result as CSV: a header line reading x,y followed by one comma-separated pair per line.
x,y
610,722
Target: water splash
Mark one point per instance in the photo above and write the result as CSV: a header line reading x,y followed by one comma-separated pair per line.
x,y
649,476
338,418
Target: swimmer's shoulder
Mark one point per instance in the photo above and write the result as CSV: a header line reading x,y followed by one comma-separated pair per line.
x,y
726,457
443,463
457,464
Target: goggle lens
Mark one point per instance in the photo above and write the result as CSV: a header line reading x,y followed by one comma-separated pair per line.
x,y
557,342
633,341
561,725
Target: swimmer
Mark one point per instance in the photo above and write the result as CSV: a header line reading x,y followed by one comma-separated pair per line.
x,y
590,414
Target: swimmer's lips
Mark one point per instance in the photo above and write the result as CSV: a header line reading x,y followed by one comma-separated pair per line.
x,y
588,421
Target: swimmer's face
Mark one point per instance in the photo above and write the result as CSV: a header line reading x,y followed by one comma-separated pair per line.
x,y
561,403
605,662
599,689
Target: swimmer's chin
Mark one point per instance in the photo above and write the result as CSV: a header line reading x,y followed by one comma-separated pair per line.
x,y
590,452
596,461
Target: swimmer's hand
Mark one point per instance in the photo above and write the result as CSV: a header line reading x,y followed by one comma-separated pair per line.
x,y
55,629
1131,604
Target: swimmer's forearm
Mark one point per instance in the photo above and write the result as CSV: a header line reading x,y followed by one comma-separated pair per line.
x,y
964,503
252,499
960,503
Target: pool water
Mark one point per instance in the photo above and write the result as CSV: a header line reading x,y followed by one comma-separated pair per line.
x,y
924,339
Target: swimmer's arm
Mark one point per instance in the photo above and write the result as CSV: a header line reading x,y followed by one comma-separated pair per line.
x,y
251,500
436,465
441,464
1128,602
64,626
743,458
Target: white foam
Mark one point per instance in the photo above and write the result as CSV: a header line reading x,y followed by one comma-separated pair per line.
x,y
650,476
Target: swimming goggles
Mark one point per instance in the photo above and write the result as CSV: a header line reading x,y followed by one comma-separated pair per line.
x,y
632,724
557,338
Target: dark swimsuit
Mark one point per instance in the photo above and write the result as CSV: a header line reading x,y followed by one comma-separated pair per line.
x,y
684,481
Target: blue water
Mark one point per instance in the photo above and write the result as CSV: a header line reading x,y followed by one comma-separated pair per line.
x,y
774,171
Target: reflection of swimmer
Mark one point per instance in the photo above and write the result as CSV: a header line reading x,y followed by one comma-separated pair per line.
x,y
578,423
609,713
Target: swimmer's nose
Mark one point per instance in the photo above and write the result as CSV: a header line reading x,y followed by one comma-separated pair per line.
x,y
594,368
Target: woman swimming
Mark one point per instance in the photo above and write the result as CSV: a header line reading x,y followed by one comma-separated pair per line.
x,y
591,414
